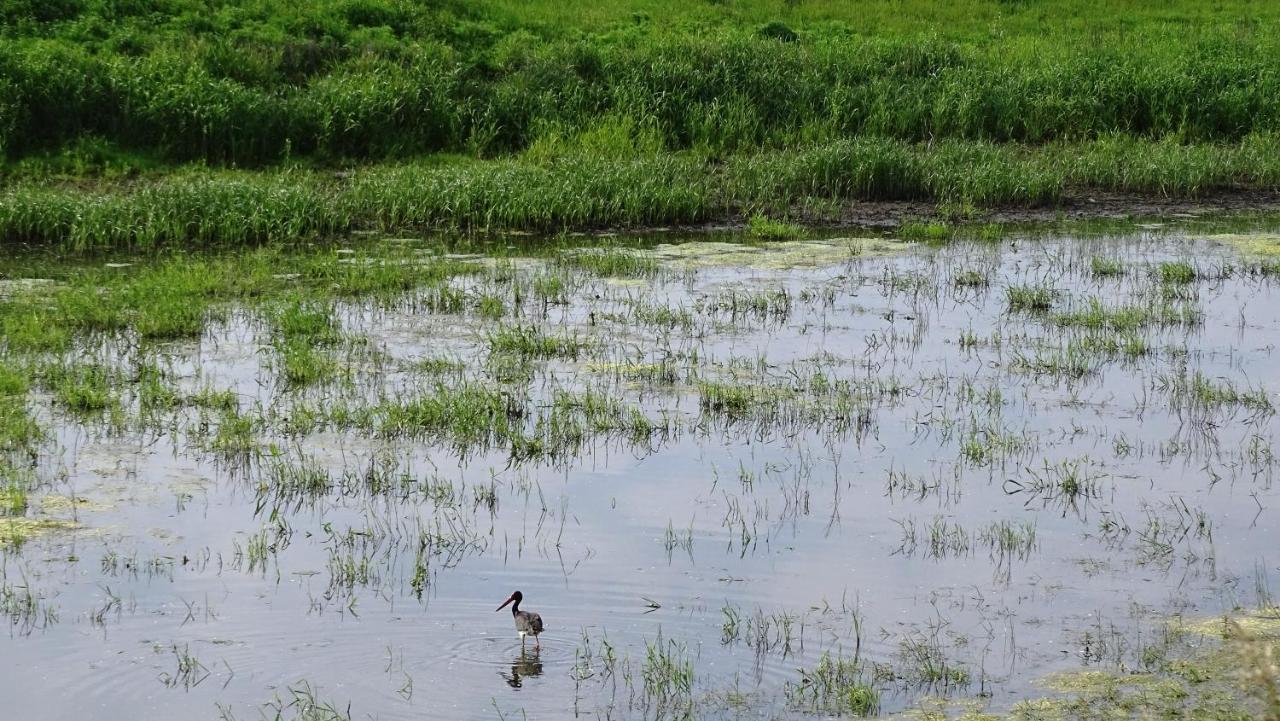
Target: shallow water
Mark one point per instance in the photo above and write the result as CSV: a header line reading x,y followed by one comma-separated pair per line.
x,y
852,531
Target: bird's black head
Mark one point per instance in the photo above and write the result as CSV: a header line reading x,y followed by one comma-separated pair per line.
x,y
515,598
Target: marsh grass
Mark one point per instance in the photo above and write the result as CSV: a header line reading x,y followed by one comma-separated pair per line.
x,y
82,388
1129,345
660,316
153,389
1029,298
1176,273
775,304
529,115
25,329
1070,361
552,417
987,444
467,414
971,279
528,341
1009,539
1095,315
766,228
667,674
835,685
202,207
26,608
940,539
304,334
235,432
18,429
924,662
928,232
1070,480
14,498
209,398
611,262
300,702
1106,267
490,307
549,288
1198,392
303,364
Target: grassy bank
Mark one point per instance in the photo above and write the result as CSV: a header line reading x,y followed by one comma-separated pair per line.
x,y
721,93
575,189
527,115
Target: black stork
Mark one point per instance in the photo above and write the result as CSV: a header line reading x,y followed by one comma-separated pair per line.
x,y
528,623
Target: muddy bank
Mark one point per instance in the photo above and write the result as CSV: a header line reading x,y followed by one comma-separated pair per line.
x,y
1080,206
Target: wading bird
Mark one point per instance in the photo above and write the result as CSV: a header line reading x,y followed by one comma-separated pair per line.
x,y
528,623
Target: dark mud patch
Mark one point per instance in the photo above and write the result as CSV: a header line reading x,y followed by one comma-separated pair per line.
x,y
1081,206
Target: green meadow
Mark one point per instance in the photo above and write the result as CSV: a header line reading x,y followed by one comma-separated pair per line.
x,y
132,124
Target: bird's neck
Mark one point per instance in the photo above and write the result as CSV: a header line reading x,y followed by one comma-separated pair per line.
x,y
515,608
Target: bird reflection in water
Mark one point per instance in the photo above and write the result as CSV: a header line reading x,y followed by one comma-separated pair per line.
x,y
526,665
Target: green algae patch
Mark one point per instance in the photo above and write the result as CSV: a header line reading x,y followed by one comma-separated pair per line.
x,y
1212,684
1263,622
933,708
625,369
50,515
627,282
14,531
1094,682
781,255
1251,243
55,503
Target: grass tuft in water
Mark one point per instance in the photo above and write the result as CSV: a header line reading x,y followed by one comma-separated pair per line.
x,y
527,341
765,228
1029,298
1176,273
835,685
971,279
1106,267
1096,315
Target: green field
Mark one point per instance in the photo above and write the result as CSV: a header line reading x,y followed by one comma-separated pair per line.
x,y
141,122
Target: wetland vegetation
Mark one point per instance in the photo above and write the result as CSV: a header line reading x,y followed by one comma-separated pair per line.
x,y
797,478
326,325
155,121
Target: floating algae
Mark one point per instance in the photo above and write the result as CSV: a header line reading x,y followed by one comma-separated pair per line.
x,y
18,527
65,503
1263,622
19,530
1095,683
1252,243
773,256
933,708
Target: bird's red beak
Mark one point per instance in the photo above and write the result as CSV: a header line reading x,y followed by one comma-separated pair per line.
x,y
504,603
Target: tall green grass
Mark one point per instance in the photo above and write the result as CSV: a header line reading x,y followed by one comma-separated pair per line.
x,y
265,85
189,206
195,206
497,115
